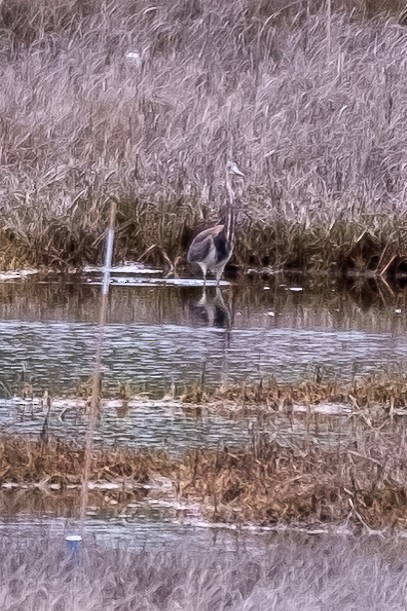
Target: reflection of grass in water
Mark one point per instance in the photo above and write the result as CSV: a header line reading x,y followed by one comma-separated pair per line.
x,y
294,572
360,480
360,303
49,499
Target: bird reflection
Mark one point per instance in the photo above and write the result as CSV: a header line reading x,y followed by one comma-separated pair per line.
x,y
211,310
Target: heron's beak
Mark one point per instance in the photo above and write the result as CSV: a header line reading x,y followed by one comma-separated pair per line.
x,y
233,169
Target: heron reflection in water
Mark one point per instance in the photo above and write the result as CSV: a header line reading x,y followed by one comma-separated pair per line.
x,y
213,310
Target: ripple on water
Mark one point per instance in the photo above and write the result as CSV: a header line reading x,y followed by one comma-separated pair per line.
x,y
142,533
56,354
156,424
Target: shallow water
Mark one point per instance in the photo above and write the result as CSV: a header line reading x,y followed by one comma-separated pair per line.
x,y
167,425
146,423
138,534
162,334
156,335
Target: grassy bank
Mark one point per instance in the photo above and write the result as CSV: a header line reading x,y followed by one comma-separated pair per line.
x,y
293,572
312,108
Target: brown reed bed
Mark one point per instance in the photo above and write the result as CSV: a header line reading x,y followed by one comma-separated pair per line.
x,y
381,395
304,483
312,116
385,390
362,482
56,462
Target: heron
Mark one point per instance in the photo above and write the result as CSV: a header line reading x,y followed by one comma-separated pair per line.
x,y
212,248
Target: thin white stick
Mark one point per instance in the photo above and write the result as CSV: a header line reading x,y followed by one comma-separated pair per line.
x,y
328,26
94,406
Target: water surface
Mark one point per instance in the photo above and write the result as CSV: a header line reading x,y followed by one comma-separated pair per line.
x,y
156,335
163,335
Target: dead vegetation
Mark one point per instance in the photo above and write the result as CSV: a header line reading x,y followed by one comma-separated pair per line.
x,y
360,482
143,103
282,571
271,484
61,463
381,395
385,390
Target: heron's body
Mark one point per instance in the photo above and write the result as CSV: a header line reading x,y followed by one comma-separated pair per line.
x,y
212,248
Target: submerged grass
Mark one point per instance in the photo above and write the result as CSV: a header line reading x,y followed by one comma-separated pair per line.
x,y
144,103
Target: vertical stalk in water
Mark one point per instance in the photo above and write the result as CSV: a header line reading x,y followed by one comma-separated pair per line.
x,y
328,27
95,399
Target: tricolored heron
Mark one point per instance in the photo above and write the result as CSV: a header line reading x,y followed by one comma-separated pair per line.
x,y
212,248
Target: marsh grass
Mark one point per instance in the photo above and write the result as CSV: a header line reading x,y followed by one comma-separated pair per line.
x,y
360,482
294,572
57,462
384,390
304,484
318,132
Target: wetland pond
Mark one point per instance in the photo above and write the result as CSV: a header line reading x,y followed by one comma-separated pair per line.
x,y
163,335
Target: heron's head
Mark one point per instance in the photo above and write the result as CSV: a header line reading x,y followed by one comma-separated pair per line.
x,y
233,170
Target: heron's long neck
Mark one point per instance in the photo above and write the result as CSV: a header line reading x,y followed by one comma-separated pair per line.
x,y
230,225
230,215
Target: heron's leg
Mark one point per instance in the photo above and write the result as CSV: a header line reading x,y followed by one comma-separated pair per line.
x,y
219,275
204,271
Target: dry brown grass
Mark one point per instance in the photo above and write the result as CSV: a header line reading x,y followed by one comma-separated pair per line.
x,y
384,390
303,484
61,463
362,481
319,133
383,393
